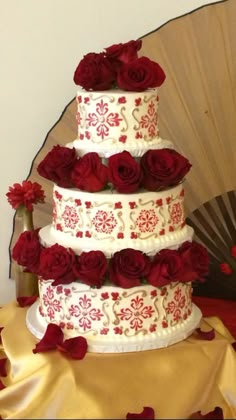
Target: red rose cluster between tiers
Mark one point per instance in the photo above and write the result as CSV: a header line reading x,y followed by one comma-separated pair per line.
x,y
157,169
126,268
119,66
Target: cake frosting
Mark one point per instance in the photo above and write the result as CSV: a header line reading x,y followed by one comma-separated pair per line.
x,y
117,320
109,221
109,122
117,262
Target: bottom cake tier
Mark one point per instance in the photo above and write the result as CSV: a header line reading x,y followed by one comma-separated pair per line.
x,y
116,320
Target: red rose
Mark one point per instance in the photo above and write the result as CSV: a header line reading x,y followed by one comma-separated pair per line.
x,y
56,262
128,267
166,267
94,72
139,75
91,267
25,194
27,249
195,258
124,172
147,414
163,168
75,347
123,53
57,165
225,268
233,251
89,174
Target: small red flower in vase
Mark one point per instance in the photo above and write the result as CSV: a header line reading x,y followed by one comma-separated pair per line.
x,y
26,194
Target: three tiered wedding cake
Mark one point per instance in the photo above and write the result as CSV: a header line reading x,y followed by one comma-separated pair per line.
x,y
117,263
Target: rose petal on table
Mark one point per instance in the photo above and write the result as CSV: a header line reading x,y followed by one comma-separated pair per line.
x,y
217,413
3,371
2,386
52,338
206,335
26,300
75,347
147,413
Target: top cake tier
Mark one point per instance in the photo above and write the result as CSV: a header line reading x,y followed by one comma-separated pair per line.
x,y
116,120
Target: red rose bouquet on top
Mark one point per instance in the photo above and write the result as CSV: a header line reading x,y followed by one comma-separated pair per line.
x,y
26,194
123,53
119,67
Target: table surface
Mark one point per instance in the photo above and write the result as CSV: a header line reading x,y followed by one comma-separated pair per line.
x,y
190,376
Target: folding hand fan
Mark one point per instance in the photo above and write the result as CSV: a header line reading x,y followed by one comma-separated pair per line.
x,y
214,224
198,114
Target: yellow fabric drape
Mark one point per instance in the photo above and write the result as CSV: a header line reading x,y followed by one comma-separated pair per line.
x,y
176,381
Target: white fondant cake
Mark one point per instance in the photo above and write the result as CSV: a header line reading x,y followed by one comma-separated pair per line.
x,y
109,122
115,319
116,264
146,220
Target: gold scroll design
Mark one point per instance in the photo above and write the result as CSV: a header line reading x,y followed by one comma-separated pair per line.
x,y
89,224
125,295
107,322
102,204
108,97
156,306
82,111
188,292
135,115
172,286
188,295
91,331
173,200
40,282
58,209
162,218
122,112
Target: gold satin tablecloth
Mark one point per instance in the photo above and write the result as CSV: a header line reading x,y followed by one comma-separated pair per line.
x,y
190,376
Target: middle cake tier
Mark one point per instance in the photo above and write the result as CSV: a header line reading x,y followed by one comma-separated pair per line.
x,y
147,221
